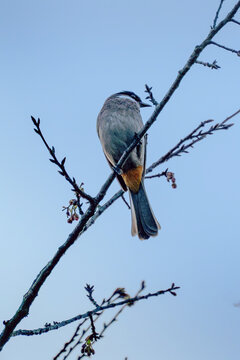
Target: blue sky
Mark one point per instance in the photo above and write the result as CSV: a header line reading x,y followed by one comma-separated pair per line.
x,y
59,61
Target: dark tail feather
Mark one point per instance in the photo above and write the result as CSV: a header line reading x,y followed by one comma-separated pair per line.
x,y
144,222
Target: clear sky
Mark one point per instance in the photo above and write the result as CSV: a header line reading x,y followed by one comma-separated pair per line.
x,y
59,61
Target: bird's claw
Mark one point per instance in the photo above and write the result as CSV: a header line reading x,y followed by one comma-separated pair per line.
x,y
138,138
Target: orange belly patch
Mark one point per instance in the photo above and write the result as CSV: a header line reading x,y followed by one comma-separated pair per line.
x,y
133,177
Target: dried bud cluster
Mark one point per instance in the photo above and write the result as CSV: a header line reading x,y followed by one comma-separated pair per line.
x,y
121,292
71,211
74,205
170,177
87,348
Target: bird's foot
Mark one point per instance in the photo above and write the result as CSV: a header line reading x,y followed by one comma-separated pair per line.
x,y
138,138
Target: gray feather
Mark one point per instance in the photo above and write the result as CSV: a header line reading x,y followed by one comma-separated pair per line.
x,y
144,222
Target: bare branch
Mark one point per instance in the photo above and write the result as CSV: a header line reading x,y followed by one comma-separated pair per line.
x,y
230,117
90,290
64,349
235,21
163,173
94,333
114,318
125,201
61,165
81,336
169,176
183,145
217,14
226,48
101,209
31,294
99,308
150,95
87,349
210,65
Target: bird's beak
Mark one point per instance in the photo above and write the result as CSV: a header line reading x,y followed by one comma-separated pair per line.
x,y
144,105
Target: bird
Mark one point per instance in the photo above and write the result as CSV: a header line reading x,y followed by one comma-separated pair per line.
x,y
118,122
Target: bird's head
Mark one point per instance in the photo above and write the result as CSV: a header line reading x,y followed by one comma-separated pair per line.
x,y
132,96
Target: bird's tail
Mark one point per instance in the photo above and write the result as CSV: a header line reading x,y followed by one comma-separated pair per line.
x,y
144,222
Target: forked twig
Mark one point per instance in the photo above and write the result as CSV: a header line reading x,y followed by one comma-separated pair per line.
x,y
96,310
188,141
212,65
61,164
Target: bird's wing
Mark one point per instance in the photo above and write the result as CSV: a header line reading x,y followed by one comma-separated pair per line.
x,y
120,179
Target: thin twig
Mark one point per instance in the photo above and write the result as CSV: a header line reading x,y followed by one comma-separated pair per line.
x,y
217,14
193,137
150,95
79,204
226,48
235,21
125,201
230,117
90,290
210,65
101,209
61,164
64,349
163,173
94,333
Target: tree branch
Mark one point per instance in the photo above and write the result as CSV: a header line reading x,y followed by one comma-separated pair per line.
x,y
125,202
29,297
195,137
90,290
226,48
64,349
97,309
235,21
217,14
150,95
210,65
114,318
85,330
163,173
61,164
97,317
